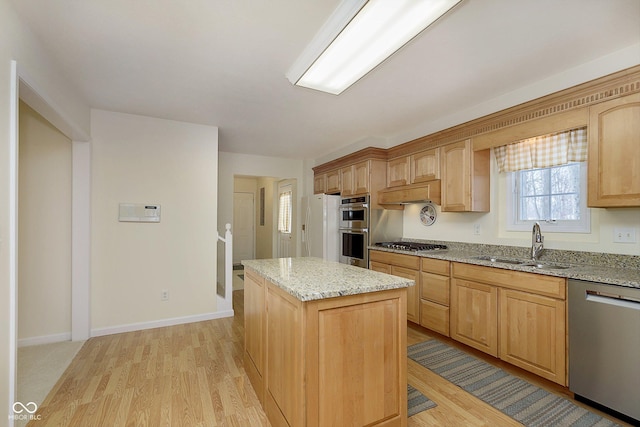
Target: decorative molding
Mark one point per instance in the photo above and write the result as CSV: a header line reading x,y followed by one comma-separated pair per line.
x,y
612,86
44,339
369,153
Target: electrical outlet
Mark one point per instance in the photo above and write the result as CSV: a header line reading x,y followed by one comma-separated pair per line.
x,y
164,295
624,235
476,229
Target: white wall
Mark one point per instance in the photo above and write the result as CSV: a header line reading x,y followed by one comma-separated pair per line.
x,y
18,43
44,285
459,226
138,159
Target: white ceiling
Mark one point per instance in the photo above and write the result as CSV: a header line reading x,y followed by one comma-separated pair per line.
x,y
223,63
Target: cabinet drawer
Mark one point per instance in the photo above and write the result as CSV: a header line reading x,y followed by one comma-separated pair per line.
x,y
530,282
434,316
435,288
435,266
407,261
380,267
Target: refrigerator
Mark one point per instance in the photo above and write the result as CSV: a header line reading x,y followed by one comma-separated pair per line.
x,y
320,232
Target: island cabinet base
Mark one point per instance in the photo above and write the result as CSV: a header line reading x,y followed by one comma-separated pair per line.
x,y
336,361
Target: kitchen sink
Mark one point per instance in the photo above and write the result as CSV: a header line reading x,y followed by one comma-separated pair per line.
x,y
532,264
501,260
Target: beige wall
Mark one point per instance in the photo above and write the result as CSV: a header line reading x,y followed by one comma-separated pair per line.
x,y
264,233
139,159
44,274
18,43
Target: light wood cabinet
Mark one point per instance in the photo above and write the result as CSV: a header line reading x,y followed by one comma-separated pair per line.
x,y
407,266
530,330
346,181
465,178
319,183
474,315
532,333
435,295
398,171
362,178
614,153
333,182
425,166
254,330
314,373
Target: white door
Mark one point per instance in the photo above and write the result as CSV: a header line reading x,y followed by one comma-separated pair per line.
x,y
243,227
286,230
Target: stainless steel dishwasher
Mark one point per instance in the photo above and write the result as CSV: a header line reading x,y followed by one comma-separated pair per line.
x,y
604,346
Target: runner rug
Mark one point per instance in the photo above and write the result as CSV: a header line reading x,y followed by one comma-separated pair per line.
x,y
417,402
522,401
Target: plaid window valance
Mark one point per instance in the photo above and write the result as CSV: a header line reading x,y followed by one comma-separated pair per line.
x,y
543,151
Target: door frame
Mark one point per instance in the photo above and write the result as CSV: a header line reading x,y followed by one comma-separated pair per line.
x,y
24,87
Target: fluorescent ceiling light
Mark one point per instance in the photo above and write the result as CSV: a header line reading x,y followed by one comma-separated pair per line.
x,y
358,36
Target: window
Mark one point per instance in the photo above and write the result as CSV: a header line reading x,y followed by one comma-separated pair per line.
x,y
284,212
554,196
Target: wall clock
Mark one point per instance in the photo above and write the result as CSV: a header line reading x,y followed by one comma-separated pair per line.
x,y
428,215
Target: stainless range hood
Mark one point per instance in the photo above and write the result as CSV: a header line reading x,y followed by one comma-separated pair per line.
x,y
395,197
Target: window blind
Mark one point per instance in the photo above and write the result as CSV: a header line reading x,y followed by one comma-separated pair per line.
x,y
284,212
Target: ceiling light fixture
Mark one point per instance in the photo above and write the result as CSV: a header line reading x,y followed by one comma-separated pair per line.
x,y
358,36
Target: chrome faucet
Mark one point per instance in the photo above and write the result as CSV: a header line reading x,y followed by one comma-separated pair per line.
x,y
536,242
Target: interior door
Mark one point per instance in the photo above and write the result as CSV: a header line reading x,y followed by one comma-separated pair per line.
x,y
243,227
286,239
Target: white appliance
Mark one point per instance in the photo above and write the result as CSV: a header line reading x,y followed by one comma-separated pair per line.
x,y
320,226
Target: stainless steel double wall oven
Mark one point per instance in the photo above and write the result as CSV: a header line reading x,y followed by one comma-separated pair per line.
x,y
354,231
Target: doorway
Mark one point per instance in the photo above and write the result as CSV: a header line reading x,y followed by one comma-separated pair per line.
x,y
244,230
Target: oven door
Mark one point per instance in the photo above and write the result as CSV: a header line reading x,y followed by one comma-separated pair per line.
x,y
353,247
355,216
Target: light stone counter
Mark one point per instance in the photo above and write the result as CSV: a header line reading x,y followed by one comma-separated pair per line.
x,y
311,278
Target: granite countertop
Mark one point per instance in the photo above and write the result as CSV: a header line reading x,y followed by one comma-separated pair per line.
x,y
620,270
312,278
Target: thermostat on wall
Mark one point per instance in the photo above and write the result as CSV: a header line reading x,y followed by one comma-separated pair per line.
x,y
139,212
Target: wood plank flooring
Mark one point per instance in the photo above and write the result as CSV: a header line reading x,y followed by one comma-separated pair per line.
x,y
192,375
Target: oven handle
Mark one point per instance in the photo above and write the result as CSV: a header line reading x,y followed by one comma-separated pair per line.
x,y
355,230
354,206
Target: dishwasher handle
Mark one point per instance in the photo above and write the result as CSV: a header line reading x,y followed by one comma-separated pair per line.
x,y
611,299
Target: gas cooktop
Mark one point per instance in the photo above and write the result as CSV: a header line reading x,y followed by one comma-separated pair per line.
x,y
411,246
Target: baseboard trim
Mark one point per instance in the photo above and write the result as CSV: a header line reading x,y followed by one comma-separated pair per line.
x,y
44,339
98,332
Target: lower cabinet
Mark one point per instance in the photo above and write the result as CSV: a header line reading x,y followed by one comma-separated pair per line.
x,y
335,361
434,295
516,316
407,266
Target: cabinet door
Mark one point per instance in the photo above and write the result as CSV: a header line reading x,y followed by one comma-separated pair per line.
x,y
474,315
398,171
361,178
532,334
413,292
614,153
319,183
465,178
254,324
434,316
333,182
425,166
346,181
284,379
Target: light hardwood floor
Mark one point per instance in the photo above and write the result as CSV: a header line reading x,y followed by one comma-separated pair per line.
x,y
192,375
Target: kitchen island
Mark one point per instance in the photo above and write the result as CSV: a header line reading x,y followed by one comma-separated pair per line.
x,y
325,343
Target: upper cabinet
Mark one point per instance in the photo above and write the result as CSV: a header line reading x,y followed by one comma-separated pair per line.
x,y
333,182
319,183
614,153
425,166
398,171
465,178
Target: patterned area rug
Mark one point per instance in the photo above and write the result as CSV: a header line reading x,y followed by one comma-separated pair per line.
x,y
513,396
417,402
